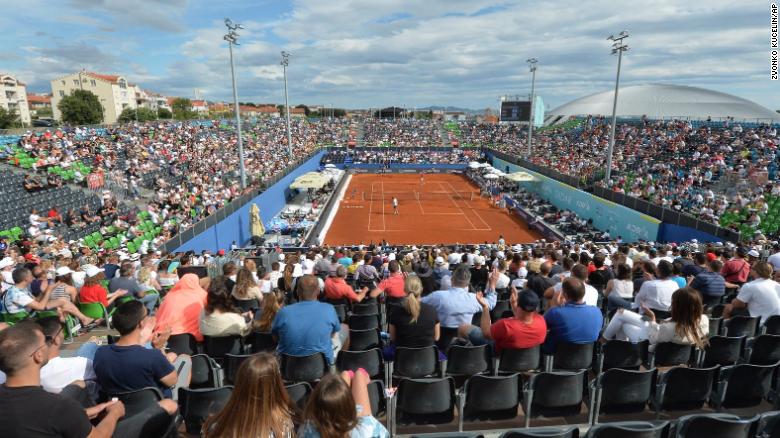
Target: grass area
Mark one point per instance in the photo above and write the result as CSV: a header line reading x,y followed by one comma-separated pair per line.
x,y
452,127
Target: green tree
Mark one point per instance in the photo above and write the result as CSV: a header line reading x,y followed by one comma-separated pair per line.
x,y
7,119
164,113
43,113
141,115
182,109
81,107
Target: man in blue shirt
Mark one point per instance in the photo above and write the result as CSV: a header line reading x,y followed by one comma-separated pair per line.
x,y
309,326
573,321
710,284
456,306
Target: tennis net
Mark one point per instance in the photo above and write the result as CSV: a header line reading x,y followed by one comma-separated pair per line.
x,y
418,196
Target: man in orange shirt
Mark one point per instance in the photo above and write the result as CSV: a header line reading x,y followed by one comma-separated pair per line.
x,y
393,285
336,288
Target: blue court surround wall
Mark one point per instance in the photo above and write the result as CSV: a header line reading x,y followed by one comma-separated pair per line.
x,y
236,226
606,215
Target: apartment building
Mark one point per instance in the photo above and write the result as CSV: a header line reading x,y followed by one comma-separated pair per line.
x,y
150,100
13,97
114,92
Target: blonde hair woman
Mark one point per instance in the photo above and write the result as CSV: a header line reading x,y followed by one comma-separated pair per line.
x,y
413,324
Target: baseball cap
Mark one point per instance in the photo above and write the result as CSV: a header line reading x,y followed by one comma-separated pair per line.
x,y
742,251
528,300
711,256
63,270
6,262
754,253
480,260
439,261
92,270
221,252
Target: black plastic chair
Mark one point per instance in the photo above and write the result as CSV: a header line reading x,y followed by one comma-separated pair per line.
x,y
232,363
183,343
716,426
261,341
743,385
370,360
341,311
621,354
216,347
362,340
369,308
764,350
363,322
196,405
518,360
571,357
557,393
425,401
377,398
683,388
499,310
722,350
631,429
543,432
138,400
446,336
304,368
740,326
769,425
416,363
247,305
669,354
467,360
716,325
620,391
771,325
205,372
299,393
489,398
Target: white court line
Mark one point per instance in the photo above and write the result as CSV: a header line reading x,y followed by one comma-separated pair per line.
x,y
370,206
461,210
472,209
384,222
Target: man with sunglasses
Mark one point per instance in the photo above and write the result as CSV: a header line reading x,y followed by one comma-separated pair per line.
x,y
60,372
26,409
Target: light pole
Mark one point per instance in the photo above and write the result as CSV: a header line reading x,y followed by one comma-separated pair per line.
x,y
532,66
285,63
617,47
232,38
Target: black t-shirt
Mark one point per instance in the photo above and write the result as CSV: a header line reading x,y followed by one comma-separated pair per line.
x,y
31,412
539,284
419,334
479,277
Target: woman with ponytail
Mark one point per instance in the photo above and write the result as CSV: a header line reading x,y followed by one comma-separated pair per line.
x,y
412,324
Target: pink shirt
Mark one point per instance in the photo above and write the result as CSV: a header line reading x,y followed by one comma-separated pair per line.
x,y
181,307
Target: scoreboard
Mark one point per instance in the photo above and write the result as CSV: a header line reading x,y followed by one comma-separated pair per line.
x,y
515,111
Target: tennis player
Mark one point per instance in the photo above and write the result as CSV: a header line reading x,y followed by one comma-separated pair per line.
x,y
395,205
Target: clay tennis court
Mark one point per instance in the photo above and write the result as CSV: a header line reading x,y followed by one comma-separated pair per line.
x,y
445,208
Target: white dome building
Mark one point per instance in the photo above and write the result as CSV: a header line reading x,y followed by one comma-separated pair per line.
x,y
659,101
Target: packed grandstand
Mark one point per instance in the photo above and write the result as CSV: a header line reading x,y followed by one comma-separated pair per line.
x,y
133,284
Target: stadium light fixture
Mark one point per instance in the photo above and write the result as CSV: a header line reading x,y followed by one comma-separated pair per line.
x,y
232,39
532,68
285,62
618,46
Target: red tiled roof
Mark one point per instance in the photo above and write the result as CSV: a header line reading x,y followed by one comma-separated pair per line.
x,y
39,98
108,78
198,103
267,109
298,111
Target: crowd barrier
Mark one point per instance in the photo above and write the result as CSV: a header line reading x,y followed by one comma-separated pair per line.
x,y
534,222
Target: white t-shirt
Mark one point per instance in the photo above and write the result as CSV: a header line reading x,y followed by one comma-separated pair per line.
x,y
503,281
62,371
762,297
307,266
657,294
591,294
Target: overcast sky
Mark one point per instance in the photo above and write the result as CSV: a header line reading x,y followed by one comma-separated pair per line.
x,y
371,53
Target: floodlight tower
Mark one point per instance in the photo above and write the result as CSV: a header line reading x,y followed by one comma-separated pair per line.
x,y
285,62
232,39
532,68
618,46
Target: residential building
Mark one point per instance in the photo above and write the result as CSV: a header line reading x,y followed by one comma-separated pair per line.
x,y
454,116
13,97
297,112
150,100
114,92
259,111
38,102
200,107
